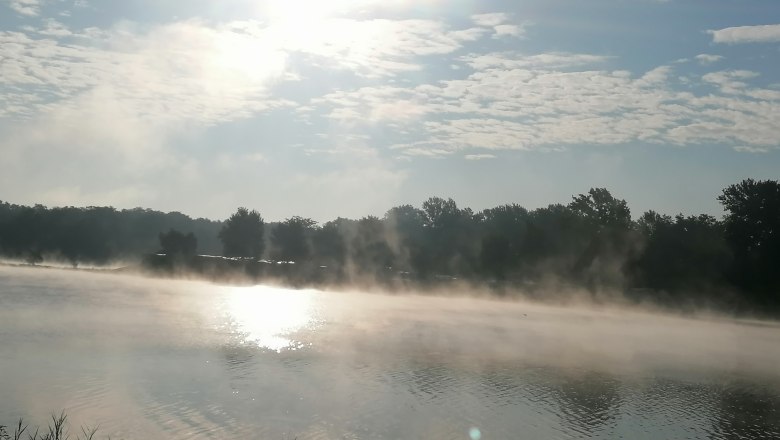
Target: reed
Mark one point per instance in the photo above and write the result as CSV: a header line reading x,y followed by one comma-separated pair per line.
x,y
58,429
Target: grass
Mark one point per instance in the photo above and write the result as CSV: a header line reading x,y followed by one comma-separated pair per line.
x,y
58,429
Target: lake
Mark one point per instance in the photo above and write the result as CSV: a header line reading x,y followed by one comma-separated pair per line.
x,y
149,358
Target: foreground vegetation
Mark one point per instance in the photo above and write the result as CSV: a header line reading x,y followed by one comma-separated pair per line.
x,y
591,243
58,429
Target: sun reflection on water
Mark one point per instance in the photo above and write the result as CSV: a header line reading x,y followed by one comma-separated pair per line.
x,y
269,316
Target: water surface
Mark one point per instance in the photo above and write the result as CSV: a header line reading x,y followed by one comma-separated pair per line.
x,y
176,359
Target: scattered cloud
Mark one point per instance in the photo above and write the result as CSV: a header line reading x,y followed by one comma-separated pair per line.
x,y
508,30
491,19
551,60
769,33
707,59
184,71
479,156
25,7
754,150
549,101
375,48
730,81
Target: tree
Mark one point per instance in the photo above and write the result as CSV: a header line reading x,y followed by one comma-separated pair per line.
x,y
752,225
290,239
504,230
451,239
406,233
682,253
610,242
602,209
176,243
371,253
242,234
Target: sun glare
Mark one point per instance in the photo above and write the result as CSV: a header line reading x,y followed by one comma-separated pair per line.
x,y
269,316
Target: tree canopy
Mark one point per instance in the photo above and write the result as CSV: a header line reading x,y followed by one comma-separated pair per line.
x,y
591,242
242,234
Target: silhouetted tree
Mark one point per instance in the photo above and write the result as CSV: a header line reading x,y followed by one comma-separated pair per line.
x,y
371,254
685,253
602,210
609,239
242,234
504,231
290,239
556,239
174,242
450,237
590,242
328,244
406,231
752,227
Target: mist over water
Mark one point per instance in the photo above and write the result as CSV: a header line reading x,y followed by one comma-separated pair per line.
x,y
148,358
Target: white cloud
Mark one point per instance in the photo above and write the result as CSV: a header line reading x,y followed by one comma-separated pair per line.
x,y
526,102
707,59
194,71
659,75
769,33
376,48
179,72
730,81
754,150
551,60
508,30
491,19
25,7
479,156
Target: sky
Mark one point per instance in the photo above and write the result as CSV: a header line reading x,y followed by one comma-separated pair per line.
x,y
346,108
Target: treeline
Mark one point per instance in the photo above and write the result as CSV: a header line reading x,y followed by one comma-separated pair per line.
x,y
93,235
592,243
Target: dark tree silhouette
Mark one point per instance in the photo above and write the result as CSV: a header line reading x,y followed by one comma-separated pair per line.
x,y
407,225
609,239
242,234
684,253
93,235
176,243
504,232
328,244
450,232
370,250
752,227
602,210
291,239
591,242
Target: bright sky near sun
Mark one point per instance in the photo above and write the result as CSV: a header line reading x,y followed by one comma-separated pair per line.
x,y
347,108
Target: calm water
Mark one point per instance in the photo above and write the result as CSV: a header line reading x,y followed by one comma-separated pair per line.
x,y
174,359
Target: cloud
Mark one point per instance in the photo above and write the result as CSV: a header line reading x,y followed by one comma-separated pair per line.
x,y
508,30
754,150
549,101
178,72
25,7
730,81
491,19
194,71
707,59
479,156
376,48
769,33
550,60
